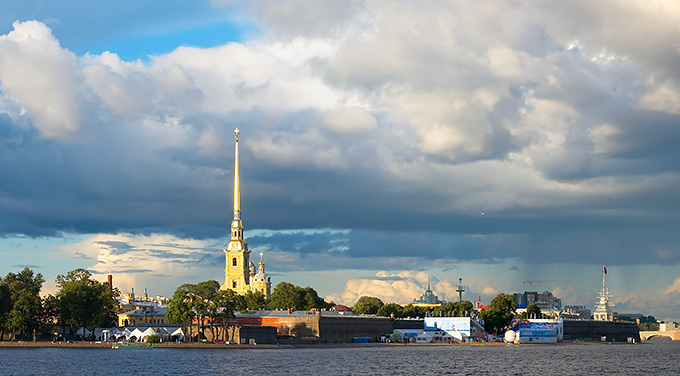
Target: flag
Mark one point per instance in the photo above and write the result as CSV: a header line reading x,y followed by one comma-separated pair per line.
x,y
604,270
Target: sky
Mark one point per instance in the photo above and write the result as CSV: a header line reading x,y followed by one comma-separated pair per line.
x,y
383,145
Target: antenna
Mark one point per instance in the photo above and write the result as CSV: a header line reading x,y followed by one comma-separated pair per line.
x,y
460,289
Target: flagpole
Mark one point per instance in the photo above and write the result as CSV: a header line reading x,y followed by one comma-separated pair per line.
x,y
604,271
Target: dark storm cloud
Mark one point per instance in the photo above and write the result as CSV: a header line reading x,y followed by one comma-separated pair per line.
x,y
550,140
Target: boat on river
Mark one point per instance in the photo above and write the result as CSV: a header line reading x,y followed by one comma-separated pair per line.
x,y
132,345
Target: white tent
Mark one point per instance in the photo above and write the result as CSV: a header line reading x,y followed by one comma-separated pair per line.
x,y
147,332
125,334
84,332
178,333
135,333
114,333
423,338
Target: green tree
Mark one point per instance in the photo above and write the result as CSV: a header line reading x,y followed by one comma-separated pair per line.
x,y
499,314
24,306
532,312
253,301
390,309
312,299
180,311
412,311
648,323
454,309
368,304
227,302
5,307
84,301
205,302
286,296
205,294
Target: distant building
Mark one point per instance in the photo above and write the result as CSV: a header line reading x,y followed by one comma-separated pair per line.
x,y
428,299
143,316
341,308
544,300
577,312
130,301
668,327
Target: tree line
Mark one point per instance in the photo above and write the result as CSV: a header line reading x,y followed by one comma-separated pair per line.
x,y
496,318
80,301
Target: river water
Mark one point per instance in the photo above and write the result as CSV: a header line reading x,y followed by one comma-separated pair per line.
x,y
656,357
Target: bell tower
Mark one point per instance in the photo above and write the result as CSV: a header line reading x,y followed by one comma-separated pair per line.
x,y
237,268
261,281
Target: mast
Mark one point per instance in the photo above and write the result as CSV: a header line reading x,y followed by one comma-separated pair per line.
x,y
604,272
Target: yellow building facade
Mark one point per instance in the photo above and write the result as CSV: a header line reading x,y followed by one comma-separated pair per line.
x,y
144,316
239,271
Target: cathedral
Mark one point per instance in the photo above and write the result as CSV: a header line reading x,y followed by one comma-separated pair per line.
x,y
239,271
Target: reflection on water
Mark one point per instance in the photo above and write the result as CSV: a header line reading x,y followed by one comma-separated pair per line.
x,y
657,356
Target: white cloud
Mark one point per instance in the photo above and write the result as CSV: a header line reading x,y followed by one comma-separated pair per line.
x,y
664,98
353,120
517,66
154,260
43,77
601,136
390,288
402,288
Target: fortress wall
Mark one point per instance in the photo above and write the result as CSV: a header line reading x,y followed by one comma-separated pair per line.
x,y
324,328
344,329
594,330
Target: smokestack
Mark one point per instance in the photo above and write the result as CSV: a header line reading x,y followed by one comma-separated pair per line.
x,y
110,281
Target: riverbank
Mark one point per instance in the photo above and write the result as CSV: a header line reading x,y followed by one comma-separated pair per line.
x,y
172,345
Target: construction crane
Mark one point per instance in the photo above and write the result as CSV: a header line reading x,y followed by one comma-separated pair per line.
x,y
530,282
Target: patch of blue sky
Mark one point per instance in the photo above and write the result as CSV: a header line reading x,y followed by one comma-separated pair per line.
x,y
133,29
42,254
143,46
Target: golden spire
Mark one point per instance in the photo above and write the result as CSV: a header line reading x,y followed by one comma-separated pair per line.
x,y
236,224
237,189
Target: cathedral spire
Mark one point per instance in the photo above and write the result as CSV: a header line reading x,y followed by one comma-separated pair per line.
x,y
237,224
237,188
237,270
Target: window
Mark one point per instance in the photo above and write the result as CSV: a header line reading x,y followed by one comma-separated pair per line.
x,y
233,283
234,262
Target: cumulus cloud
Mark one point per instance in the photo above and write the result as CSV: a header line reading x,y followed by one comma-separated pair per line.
x,y
44,78
390,288
403,287
158,260
665,98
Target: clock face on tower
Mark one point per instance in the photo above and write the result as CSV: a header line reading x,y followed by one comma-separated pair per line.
x,y
235,246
